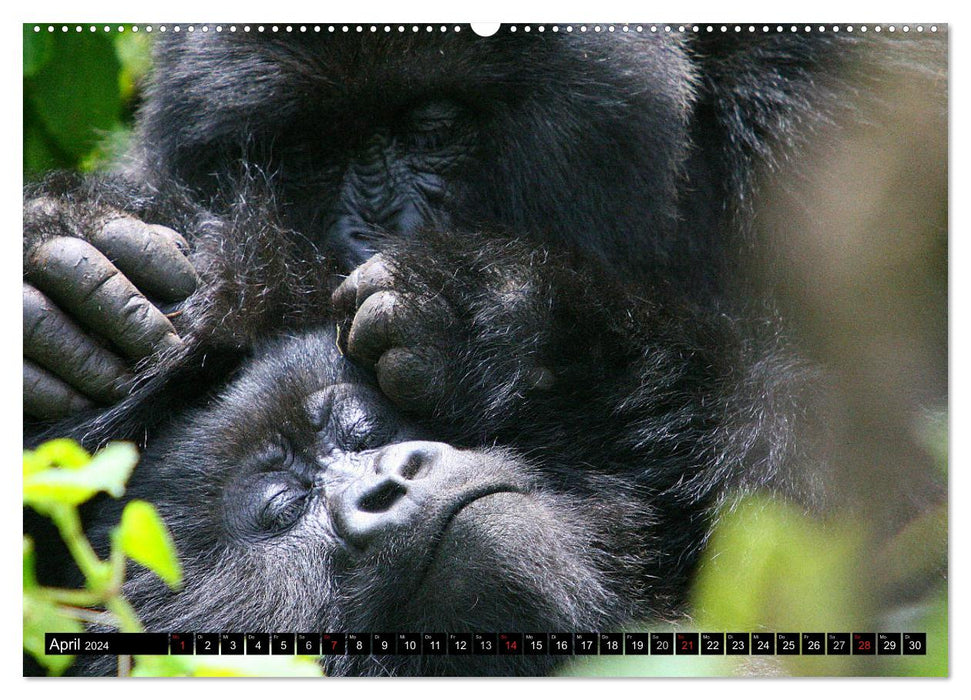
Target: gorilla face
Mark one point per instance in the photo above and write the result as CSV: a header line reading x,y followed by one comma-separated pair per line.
x,y
302,501
376,137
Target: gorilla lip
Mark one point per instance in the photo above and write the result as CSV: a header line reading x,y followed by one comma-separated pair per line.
x,y
477,494
467,499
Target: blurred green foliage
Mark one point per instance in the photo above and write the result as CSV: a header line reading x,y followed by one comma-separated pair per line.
x,y
770,567
80,93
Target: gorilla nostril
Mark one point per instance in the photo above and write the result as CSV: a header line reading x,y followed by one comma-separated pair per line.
x,y
412,465
382,498
408,461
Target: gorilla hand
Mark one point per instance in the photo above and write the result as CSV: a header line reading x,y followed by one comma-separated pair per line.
x,y
395,333
95,281
442,338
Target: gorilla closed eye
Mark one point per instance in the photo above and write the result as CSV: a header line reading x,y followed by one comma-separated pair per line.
x,y
269,503
282,510
364,434
350,418
275,456
358,428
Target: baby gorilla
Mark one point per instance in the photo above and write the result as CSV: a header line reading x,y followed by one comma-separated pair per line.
x,y
302,501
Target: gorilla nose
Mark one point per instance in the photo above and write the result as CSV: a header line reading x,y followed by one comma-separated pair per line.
x,y
387,495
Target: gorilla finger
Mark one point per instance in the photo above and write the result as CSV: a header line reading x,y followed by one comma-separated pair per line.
x,y
173,237
84,282
46,396
344,297
56,342
152,257
411,378
379,324
371,277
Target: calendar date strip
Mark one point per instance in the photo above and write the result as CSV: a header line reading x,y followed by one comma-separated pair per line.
x,y
498,643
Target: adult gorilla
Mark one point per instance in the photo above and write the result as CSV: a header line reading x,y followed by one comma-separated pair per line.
x,y
286,161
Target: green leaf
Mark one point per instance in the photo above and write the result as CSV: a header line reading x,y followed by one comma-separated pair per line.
x,y
30,568
220,666
932,620
39,156
107,471
75,91
42,616
38,49
111,147
63,453
33,464
144,538
918,550
135,54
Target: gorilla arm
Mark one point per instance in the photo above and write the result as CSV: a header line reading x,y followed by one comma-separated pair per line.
x,y
499,340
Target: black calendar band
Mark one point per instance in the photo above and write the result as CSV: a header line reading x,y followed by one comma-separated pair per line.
x,y
491,643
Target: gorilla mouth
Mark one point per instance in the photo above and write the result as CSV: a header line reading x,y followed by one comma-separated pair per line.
x,y
466,500
470,497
